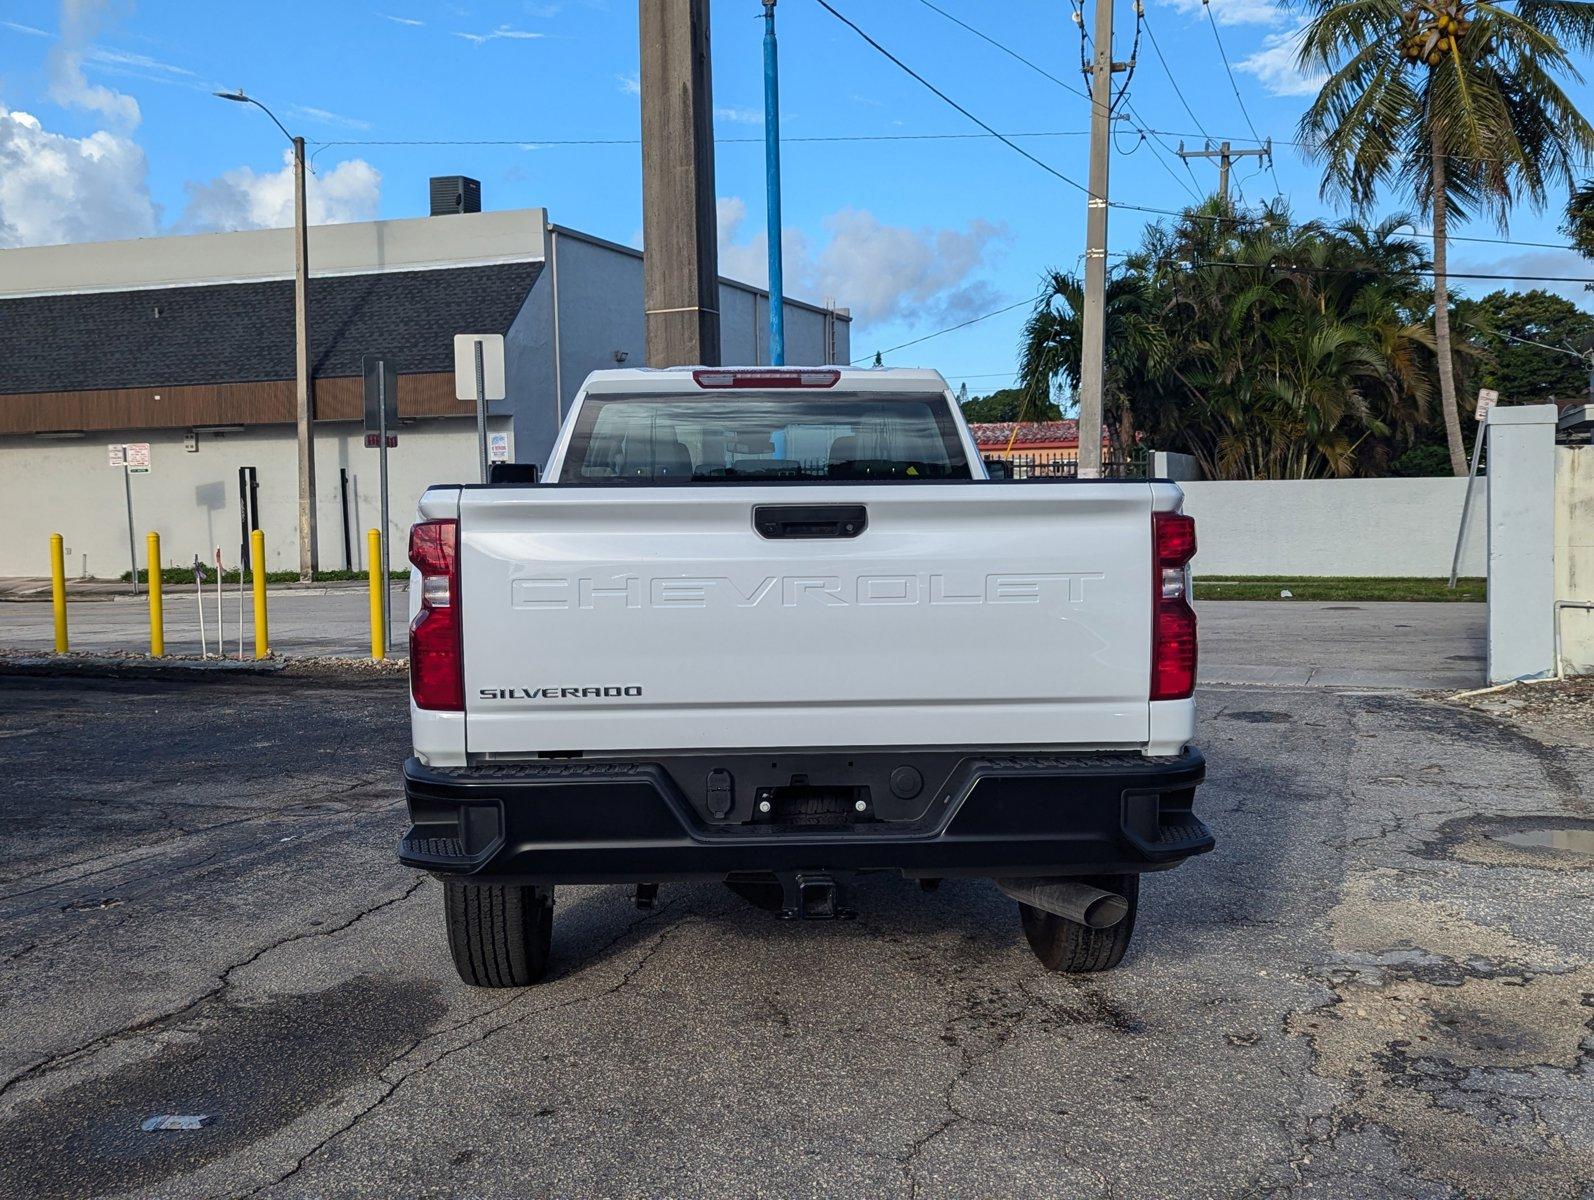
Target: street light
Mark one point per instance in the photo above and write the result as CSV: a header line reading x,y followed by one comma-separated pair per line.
x,y
308,558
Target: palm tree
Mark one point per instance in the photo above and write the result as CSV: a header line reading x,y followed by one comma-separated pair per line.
x,y
1454,102
1050,352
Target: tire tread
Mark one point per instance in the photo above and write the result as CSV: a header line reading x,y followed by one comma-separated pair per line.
x,y
499,934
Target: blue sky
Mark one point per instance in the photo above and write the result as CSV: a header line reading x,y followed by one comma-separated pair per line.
x,y
107,129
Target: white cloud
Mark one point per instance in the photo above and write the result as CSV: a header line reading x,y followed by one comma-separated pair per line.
x,y
1526,271
1236,12
882,272
1277,66
631,85
80,19
327,117
242,199
740,116
410,21
56,189
502,32
105,56
30,30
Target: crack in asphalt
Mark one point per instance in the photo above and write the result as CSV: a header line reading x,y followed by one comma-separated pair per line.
x,y
60,1059
390,1087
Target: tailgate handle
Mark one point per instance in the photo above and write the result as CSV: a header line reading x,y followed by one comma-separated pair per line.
x,y
810,520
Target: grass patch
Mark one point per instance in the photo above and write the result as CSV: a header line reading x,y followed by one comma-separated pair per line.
x,y
1336,587
179,575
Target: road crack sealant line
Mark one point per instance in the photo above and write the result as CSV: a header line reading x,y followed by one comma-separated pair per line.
x,y
390,1087
64,1058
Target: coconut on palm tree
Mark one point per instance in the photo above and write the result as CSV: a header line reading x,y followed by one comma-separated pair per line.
x,y
1455,103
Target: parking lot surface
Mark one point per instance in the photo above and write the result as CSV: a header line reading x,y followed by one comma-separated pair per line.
x,y
1280,642
1378,985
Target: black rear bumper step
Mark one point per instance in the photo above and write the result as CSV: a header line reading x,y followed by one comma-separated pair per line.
x,y
629,822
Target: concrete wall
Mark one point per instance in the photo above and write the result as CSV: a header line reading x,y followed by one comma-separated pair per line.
x,y
1170,464
191,499
1334,526
1574,554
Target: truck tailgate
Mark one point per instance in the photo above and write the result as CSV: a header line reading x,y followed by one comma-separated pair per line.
x,y
650,619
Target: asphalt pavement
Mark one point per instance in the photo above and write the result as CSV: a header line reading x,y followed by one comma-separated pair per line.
x,y
1378,985
1380,645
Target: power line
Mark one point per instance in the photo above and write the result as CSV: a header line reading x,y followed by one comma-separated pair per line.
x,y
838,137
952,328
1177,91
1223,54
1047,167
1413,271
1010,52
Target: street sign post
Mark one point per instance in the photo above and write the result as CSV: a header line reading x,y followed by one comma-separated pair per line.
x,y
479,376
1487,399
133,459
381,403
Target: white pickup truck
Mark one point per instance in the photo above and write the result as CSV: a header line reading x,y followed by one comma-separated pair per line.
x,y
777,628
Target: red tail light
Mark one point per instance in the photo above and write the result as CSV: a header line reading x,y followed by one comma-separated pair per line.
x,y
1173,621
437,668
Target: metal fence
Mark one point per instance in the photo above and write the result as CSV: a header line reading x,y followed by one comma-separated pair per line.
x,y
1136,465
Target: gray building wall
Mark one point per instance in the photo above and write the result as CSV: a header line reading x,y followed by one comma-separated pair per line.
x,y
191,498
602,312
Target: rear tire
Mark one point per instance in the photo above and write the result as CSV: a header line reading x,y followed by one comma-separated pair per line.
x,y
1072,948
500,934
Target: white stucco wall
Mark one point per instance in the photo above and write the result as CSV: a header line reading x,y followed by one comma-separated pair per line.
x,y
1574,554
191,499
1389,527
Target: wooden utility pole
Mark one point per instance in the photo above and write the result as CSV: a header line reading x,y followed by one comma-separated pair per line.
x,y
679,223
1093,319
1225,155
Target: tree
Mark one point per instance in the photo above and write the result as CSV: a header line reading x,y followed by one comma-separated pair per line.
x,y
1135,347
1533,340
1264,348
1580,220
1455,103
1008,405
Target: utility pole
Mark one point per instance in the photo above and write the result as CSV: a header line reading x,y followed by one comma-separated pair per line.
x,y
777,290
304,401
1093,331
1225,155
681,259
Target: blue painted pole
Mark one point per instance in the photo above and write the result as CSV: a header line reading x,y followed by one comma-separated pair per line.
x,y
777,291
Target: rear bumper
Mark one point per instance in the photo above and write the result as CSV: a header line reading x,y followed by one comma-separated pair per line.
x,y
586,821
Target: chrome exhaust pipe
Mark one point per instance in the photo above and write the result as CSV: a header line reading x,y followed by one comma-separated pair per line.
x,y
1069,899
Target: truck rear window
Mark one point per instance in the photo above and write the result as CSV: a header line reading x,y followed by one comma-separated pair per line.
x,y
713,439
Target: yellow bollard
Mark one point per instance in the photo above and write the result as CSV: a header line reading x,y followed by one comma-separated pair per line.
x,y
157,619
257,568
373,558
58,589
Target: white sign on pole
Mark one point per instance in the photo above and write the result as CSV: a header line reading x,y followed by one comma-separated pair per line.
x,y
498,447
492,365
118,455
137,458
1487,399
